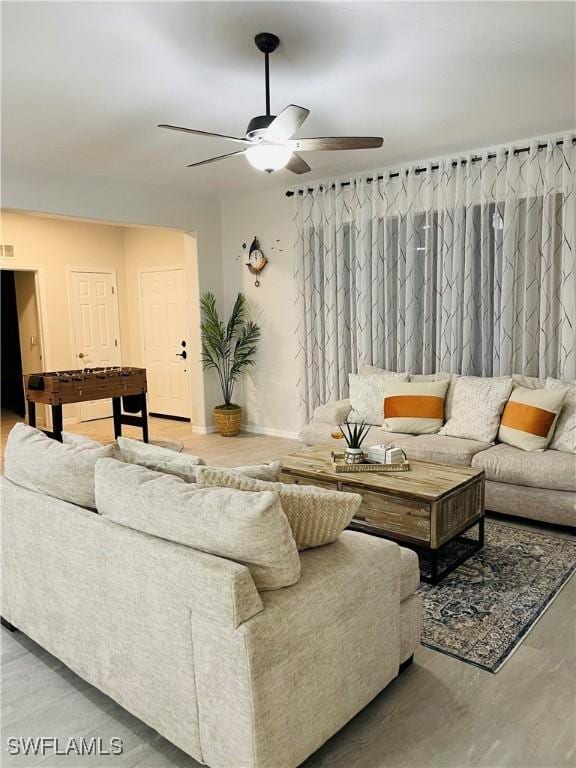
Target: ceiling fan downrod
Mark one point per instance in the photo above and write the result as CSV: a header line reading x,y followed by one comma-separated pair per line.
x,y
267,43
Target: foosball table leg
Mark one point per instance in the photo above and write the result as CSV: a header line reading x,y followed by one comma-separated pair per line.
x,y
57,422
144,419
31,412
117,416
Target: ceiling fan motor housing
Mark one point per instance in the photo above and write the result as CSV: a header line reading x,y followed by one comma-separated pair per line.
x,y
257,126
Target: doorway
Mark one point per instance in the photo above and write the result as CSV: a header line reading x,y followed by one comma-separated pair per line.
x,y
21,339
96,329
165,341
12,392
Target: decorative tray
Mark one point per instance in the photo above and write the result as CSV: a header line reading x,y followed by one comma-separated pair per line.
x,y
339,465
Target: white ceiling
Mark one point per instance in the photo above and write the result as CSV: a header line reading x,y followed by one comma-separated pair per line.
x,y
84,84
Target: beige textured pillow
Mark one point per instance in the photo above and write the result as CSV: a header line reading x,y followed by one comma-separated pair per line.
x,y
477,404
415,408
317,516
530,416
564,437
37,462
249,528
367,396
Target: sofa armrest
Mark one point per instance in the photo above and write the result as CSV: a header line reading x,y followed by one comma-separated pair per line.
x,y
317,654
334,412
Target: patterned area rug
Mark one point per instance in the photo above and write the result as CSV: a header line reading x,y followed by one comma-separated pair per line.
x,y
483,610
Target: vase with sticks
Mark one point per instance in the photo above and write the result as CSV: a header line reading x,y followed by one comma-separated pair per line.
x,y
354,435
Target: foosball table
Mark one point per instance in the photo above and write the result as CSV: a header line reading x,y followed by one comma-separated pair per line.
x,y
125,386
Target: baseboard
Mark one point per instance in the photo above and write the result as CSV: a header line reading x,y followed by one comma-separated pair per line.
x,y
270,431
200,430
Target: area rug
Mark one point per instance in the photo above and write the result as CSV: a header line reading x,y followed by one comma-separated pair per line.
x,y
483,610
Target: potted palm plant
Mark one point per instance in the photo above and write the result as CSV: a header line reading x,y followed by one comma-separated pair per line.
x,y
228,349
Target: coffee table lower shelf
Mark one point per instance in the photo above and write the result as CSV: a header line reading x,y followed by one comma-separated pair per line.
x,y
435,557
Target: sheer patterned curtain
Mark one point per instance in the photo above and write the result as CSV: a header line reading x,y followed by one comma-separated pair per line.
x,y
468,268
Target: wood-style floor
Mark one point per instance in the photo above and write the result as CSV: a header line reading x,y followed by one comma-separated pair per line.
x,y
441,713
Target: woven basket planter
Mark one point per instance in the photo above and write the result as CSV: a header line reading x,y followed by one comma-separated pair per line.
x,y
227,420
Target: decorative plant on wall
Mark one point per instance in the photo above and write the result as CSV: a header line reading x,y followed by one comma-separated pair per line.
x,y
230,350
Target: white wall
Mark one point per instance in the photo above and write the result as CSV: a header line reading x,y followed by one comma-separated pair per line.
x,y
96,198
269,392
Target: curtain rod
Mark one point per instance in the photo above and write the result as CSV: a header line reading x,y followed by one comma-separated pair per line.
x,y
455,163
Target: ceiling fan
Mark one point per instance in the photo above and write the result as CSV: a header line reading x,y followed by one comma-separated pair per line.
x,y
268,143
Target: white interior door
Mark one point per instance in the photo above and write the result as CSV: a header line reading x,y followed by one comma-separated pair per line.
x,y
96,329
165,341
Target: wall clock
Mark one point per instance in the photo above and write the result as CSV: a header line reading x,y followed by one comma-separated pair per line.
x,y
256,260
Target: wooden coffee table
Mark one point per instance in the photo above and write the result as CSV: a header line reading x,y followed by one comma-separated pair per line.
x,y
424,508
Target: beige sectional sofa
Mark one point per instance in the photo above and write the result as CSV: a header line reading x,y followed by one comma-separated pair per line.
x,y
539,485
183,639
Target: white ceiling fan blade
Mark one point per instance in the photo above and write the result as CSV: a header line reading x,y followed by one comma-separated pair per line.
x,y
204,133
287,123
296,164
214,159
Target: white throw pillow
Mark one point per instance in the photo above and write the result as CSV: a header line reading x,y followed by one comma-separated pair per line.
x,y
184,465
564,437
81,441
414,407
367,396
37,462
159,459
249,528
529,417
317,516
477,404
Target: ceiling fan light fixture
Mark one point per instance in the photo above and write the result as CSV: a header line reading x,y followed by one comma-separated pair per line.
x,y
268,157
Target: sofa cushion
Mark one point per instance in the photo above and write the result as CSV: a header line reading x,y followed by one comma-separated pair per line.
x,y
317,516
183,465
374,370
367,396
440,448
333,412
409,573
564,437
414,407
529,382
159,459
249,528
37,462
530,416
477,404
549,469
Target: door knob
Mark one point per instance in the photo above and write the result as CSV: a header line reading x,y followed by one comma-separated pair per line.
x,y
81,355
182,354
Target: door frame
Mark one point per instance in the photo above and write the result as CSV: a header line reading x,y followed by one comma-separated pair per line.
x,y
71,320
44,417
147,270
